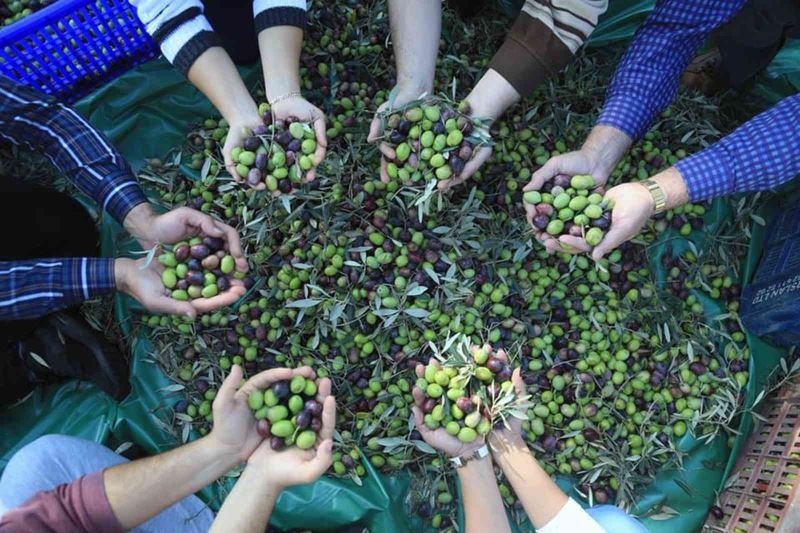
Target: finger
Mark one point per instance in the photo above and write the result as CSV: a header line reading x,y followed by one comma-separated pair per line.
x,y
385,171
323,389
547,172
197,220
419,396
615,236
305,371
530,212
205,305
419,420
328,418
311,470
571,241
387,151
519,384
311,175
374,130
227,391
470,168
264,379
168,305
320,131
234,245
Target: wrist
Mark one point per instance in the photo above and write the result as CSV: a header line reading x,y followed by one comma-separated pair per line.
x,y
491,96
477,468
674,187
139,221
408,90
122,268
604,147
227,454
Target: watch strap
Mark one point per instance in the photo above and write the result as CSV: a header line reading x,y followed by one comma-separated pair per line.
x,y
659,198
480,453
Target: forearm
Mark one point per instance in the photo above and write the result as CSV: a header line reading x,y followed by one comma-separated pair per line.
x,y
761,154
249,505
139,490
231,98
416,27
280,48
34,288
606,146
491,96
483,506
539,495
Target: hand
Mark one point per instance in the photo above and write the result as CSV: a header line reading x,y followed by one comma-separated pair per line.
x,y
479,157
633,207
294,466
181,224
439,438
238,131
402,97
143,283
302,109
235,433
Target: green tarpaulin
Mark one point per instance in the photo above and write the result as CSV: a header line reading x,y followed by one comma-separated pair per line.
x,y
145,113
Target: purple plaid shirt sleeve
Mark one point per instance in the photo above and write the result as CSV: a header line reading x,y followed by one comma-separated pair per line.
x,y
29,289
761,154
647,78
81,153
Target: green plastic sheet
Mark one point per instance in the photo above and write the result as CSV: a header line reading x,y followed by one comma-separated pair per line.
x,y
145,113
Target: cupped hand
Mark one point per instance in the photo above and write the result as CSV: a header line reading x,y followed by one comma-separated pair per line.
x,y
479,157
439,439
300,108
401,98
293,466
234,430
238,131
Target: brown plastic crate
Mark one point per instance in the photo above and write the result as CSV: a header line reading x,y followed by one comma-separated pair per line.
x,y
759,498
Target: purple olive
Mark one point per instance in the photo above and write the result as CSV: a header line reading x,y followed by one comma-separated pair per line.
x,y
189,354
465,404
561,180
182,253
181,406
601,496
697,368
438,128
182,285
214,243
428,405
590,434
210,263
291,158
348,462
261,161
540,222
456,164
193,264
316,424
195,277
277,443
302,420
199,251
262,426
283,138
251,144
201,385
261,129
495,365
223,284
261,331
280,389
253,177
465,152
294,146
504,374
396,137
549,443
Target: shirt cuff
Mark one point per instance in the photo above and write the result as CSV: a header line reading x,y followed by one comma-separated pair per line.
x,y
85,278
626,113
707,174
270,13
97,505
119,194
530,54
571,517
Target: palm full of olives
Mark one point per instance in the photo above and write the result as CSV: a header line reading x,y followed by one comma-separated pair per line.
x,y
198,268
278,154
291,413
461,398
566,206
431,140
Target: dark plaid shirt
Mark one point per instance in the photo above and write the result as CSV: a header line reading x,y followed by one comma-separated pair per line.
x,y
83,155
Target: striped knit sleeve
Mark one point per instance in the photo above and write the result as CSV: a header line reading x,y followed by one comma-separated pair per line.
x,y
543,39
179,27
269,13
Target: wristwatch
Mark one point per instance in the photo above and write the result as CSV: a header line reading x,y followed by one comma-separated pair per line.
x,y
480,453
659,198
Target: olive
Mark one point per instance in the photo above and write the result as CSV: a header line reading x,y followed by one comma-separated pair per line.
x,y
181,253
199,251
281,389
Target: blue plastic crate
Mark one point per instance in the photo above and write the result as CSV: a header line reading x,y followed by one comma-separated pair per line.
x,y
771,303
72,47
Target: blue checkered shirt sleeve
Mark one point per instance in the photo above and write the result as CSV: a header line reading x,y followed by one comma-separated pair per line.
x,y
761,154
647,78
29,289
80,153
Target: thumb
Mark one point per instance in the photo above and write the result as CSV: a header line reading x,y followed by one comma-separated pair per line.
x,y
207,225
166,304
519,384
616,235
227,390
374,130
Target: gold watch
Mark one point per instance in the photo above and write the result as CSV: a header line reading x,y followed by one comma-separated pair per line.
x,y
480,453
659,198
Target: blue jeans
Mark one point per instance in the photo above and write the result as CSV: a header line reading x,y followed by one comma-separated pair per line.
x,y
54,460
